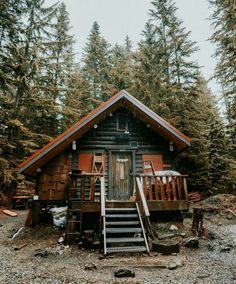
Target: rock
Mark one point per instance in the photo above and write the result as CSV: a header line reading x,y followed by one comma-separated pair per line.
x,y
192,243
172,266
60,240
173,228
201,276
179,262
41,253
124,272
165,247
225,249
90,266
183,235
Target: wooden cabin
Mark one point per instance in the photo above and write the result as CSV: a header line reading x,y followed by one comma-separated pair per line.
x,y
117,160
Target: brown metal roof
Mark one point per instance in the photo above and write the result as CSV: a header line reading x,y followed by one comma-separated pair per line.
x,y
123,98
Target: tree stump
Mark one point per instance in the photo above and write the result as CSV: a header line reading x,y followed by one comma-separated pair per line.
x,y
197,223
165,247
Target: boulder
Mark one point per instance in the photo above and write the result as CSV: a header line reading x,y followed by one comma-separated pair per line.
x,y
173,228
124,272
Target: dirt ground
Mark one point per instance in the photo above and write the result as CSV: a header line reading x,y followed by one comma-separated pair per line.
x,y
213,262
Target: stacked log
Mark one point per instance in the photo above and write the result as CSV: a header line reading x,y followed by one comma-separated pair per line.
x,y
194,196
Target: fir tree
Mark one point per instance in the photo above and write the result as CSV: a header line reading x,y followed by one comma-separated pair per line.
x,y
56,71
121,67
77,101
96,65
224,36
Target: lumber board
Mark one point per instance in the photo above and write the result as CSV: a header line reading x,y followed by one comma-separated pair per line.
x,y
10,213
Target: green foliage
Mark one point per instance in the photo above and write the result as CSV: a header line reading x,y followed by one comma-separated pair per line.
x,y
95,65
224,36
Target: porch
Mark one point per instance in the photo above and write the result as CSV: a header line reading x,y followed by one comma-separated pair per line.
x,y
120,219
161,192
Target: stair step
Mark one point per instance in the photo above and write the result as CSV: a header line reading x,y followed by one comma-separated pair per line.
x,y
122,215
124,240
123,230
115,223
120,209
127,249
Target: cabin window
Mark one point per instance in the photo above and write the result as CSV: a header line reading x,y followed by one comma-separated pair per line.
x,y
122,121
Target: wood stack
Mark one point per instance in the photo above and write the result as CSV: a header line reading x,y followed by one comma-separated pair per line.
x,y
194,196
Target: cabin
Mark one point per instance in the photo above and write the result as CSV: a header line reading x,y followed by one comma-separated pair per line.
x,y
115,165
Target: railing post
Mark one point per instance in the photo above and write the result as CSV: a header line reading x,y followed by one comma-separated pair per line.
x,y
92,188
185,188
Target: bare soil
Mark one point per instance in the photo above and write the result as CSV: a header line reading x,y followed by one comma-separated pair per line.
x,y
213,262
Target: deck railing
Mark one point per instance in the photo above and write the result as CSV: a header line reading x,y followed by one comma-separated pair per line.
x,y
85,186
164,188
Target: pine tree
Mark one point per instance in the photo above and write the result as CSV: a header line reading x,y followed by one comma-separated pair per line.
x,y
96,65
55,75
121,67
224,36
77,101
148,83
20,58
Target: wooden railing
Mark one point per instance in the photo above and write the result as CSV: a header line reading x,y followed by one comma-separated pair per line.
x,y
142,197
85,186
160,188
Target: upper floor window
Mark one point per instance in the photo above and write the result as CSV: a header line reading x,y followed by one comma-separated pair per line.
x,y
122,121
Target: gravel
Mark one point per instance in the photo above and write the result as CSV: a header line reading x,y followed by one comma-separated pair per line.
x,y
67,264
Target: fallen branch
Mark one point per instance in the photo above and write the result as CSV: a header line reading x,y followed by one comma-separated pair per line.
x,y
19,248
231,212
136,266
17,233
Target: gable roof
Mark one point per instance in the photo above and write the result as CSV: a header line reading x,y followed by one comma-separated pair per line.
x,y
123,98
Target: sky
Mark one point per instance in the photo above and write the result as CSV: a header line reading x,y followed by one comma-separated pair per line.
x,y
118,18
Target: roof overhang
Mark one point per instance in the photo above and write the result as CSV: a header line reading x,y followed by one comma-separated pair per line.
x,y
122,99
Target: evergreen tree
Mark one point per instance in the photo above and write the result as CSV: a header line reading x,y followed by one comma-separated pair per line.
x,y
20,62
55,74
77,101
224,36
96,65
121,67
148,83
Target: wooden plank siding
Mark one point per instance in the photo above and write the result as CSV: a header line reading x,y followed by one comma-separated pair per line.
x,y
54,177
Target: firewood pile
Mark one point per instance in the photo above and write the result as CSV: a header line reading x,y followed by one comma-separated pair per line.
x,y
194,196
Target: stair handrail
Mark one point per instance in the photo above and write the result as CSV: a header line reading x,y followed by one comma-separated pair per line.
x,y
102,196
143,199
103,212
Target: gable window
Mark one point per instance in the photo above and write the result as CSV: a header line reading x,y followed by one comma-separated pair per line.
x,y
122,121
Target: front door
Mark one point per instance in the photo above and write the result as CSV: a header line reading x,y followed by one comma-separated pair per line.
x,y
121,185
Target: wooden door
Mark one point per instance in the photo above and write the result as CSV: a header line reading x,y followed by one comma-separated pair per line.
x,y
121,185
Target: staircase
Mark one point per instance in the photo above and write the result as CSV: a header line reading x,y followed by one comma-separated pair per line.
x,y
123,231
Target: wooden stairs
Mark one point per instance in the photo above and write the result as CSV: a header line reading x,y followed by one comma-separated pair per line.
x,y
123,231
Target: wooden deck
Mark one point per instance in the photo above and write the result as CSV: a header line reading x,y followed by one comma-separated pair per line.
x,y
88,206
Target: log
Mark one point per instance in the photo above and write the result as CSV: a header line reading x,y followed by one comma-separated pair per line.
x,y
10,213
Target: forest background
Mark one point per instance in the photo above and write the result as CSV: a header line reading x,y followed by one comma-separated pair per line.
x,y
44,89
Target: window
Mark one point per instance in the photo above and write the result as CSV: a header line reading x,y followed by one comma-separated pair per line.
x,y
122,121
